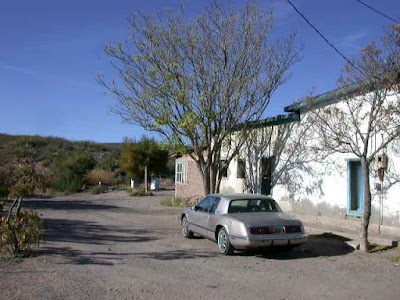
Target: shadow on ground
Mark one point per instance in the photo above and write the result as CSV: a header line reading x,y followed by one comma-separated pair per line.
x,y
77,257
83,232
174,255
322,245
65,205
74,231
319,246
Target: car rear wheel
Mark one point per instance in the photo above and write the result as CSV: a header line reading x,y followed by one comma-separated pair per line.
x,y
224,245
185,228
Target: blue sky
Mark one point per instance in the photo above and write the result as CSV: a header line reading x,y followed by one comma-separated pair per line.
x,y
52,50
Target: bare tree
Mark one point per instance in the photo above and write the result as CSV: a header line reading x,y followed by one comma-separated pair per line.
x,y
194,80
257,147
367,120
287,146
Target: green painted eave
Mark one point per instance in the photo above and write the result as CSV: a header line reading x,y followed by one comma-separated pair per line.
x,y
331,97
268,122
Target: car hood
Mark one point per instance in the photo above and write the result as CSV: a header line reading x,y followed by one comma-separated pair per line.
x,y
265,219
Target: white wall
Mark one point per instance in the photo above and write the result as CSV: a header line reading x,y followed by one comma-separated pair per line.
x,y
232,184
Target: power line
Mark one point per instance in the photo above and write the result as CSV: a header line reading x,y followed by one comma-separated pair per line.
x,y
377,11
325,39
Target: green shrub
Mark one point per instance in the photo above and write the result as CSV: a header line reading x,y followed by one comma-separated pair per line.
x,y
69,184
395,259
21,232
140,193
124,187
174,203
96,190
70,172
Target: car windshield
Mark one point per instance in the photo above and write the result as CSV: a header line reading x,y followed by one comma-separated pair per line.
x,y
253,205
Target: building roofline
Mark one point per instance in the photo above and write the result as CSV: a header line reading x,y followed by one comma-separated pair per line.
x,y
331,97
271,121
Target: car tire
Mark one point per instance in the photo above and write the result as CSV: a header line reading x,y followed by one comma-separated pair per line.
x,y
185,228
224,245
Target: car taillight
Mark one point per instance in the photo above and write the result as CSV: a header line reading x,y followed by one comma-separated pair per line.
x,y
293,229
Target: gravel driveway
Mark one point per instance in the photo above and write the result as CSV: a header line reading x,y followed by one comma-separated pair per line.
x,y
112,246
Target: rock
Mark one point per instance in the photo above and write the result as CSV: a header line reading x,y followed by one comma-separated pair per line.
x,y
353,244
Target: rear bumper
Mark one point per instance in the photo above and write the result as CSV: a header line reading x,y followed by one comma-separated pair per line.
x,y
242,243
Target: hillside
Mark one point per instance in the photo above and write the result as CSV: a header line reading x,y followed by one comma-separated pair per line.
x,y
66,166
45,149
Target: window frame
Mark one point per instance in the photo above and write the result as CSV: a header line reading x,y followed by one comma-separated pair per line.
x,y
355,191
223,168
180,172
241,168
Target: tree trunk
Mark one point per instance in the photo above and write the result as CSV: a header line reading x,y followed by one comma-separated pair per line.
x,y
213,179
19,206
206,180
11,209
367,206
210,180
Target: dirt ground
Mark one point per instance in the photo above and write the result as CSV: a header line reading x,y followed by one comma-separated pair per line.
x,y
112,246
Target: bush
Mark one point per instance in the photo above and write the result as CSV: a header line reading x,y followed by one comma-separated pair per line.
x,y
140,193
174,203
69,184
96,190
21,232
70,172
97,175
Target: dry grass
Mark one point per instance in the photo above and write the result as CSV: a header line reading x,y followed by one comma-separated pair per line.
x,y
97,175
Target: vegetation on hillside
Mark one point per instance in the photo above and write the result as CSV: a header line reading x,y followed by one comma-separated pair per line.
x,y
65,165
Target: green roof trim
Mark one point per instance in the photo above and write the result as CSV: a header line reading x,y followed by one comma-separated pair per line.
x,y
272,121
331,97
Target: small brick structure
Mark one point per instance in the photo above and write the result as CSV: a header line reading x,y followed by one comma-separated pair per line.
x,y
190,185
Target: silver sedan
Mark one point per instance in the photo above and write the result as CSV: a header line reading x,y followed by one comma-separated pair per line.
x,y
242,222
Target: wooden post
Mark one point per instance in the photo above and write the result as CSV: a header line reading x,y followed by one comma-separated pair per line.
x,y
145,179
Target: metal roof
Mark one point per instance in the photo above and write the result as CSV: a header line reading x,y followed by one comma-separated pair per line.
x,y
346,92
272,121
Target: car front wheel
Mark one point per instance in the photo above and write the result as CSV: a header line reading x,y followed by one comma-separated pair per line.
x,y
224,245
185,228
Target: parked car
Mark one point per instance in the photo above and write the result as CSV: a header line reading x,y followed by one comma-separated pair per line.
x,y
242,222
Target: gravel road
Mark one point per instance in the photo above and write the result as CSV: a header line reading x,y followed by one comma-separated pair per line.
x,y
112,246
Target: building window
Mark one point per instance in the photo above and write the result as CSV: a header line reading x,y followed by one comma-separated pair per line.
x,y
180,172
223,168
267,169
241,168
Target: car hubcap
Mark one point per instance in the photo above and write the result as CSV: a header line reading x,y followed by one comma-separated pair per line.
x,y
185,228
222,241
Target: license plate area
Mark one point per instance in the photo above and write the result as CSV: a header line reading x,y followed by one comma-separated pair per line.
x,y
279,229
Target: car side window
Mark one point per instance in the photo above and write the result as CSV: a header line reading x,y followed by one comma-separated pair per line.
x,y
208,204
214,204
205,204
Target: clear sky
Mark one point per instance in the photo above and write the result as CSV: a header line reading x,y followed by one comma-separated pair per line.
x,y
52,50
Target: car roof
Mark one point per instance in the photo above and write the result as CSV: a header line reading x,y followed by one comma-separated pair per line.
x,y
241,196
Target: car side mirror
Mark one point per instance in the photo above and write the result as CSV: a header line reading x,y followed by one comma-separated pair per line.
x,y
194,207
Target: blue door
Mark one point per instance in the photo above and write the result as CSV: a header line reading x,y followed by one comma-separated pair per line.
x,y
355,188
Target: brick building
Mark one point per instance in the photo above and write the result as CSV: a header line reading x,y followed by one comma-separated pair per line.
x,y
188,179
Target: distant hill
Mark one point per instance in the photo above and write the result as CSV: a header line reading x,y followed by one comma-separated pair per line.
x,y
47,148
66,166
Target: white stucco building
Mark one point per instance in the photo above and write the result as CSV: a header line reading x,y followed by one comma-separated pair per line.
x,y
331,187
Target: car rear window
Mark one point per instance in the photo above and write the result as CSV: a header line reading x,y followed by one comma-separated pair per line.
x,y
253,205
